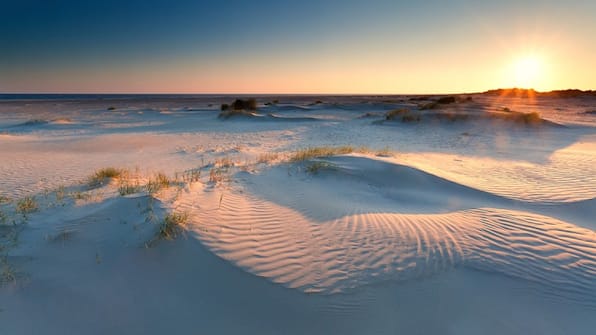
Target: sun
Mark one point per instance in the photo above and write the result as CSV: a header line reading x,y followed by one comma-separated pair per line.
x,y
527,71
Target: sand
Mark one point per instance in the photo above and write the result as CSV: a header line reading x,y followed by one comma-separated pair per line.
x,y
464,225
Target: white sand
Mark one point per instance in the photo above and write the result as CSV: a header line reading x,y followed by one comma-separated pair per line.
x,y
466,227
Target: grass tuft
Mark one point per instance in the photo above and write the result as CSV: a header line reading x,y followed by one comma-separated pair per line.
x,y
99,177
191,176
26,205
217,175
172,225
158,182
317,152
127,188
267,157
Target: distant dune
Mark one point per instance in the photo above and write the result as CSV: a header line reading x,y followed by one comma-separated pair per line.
x,y
529,92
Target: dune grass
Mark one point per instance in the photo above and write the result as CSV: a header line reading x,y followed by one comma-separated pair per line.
x,y
26,206
100,176
158,182
217,175
190,176
126,188
317,152
172,225
224,162
267,157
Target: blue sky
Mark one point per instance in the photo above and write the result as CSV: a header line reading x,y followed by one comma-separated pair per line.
x,y
289,46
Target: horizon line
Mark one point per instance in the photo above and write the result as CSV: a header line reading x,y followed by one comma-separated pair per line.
x,y
279,94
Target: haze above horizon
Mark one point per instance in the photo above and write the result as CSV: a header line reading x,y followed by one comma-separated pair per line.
x,y
285,47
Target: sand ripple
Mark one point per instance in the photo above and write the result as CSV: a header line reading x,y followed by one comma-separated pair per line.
x,y
287,247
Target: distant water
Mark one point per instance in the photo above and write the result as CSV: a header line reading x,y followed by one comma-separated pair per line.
x,y
35,96
78,97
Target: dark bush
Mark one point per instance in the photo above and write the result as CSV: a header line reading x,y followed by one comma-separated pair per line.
x,y
446,100
239,104
225,107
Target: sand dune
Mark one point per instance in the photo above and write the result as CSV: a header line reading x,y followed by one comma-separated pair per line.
x,y
325,243
430,227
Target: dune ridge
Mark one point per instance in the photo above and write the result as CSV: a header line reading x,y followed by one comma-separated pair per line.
x,y
307,248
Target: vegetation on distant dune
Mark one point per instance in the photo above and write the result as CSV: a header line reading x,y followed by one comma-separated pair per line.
x,y
238,107
405,115
532,118
396,113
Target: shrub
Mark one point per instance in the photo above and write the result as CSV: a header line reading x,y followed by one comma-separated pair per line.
x,y
446,100
111,108
239,104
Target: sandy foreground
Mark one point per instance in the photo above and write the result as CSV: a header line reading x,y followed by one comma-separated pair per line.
x,y
456,219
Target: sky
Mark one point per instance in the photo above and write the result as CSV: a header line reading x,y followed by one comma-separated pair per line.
x,y
280,46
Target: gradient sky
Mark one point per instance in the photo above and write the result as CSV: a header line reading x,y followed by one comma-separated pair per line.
x,y
279,46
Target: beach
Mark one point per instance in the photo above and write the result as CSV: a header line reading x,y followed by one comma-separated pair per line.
x,y
383,214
